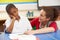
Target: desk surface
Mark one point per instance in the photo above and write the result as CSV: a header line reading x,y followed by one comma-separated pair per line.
x,y
48,36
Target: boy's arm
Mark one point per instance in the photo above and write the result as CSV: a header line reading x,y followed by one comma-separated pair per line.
x,y
9,29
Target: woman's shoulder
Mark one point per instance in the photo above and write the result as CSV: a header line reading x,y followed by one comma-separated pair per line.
x,y
35,19
52,22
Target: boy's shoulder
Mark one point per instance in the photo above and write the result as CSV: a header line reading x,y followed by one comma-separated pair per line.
x,y
7,20
23,17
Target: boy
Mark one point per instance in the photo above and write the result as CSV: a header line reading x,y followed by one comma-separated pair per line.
x,y
17,24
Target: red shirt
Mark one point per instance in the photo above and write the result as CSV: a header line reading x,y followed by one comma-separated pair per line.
x,y
35,22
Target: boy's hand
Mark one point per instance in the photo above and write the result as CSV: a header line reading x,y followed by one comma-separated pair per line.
x,y
12,17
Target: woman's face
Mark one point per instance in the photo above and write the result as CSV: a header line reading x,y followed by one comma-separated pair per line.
x,y
42,17
59,16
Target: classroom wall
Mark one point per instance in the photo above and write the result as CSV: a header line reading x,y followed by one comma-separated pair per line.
x,y
49,2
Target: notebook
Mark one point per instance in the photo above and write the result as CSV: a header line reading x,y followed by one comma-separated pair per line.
x,y
22,37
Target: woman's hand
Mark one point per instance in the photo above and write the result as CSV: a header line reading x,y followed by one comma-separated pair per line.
x,y
30,32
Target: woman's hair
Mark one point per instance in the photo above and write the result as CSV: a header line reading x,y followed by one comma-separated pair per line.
x,y
9,6
57,13
49,12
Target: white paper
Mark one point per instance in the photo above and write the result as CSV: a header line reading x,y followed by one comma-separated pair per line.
x,y
22,37
13,36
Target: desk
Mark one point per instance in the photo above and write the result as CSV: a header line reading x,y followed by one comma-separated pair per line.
x,y
48,36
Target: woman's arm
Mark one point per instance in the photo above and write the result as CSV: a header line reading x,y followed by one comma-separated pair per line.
x,y
52,27
39,31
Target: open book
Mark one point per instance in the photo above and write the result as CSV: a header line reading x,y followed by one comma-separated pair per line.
x,y
22,37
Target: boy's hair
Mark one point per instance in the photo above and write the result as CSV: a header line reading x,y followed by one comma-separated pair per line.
x,y
49,12
9,6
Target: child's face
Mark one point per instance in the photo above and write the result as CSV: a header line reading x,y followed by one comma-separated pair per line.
x,y
42,17
13,12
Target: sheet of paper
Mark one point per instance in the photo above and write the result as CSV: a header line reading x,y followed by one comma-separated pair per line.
x,y
22,37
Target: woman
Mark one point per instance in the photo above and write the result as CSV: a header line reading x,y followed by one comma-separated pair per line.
x,y
44,23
